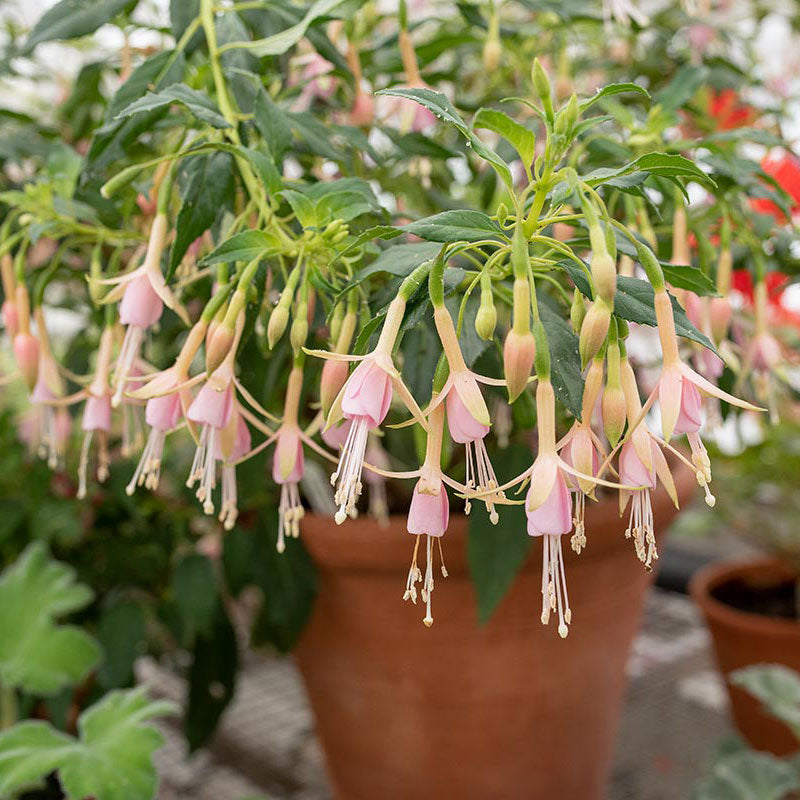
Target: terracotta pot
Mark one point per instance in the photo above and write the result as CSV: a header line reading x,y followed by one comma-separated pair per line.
x,y
744,638
461,710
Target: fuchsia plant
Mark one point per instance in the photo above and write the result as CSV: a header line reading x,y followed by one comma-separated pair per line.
x,y
293,256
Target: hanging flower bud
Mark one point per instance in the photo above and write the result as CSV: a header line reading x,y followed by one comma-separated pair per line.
x,y
519,353
492,47
594,330
613,401
720,313
278,320
26,353
603,265
577,311
486,318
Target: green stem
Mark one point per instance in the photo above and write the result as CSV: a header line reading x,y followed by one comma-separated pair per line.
x,y
8,708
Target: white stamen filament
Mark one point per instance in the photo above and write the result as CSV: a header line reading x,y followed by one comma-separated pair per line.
x,y
290,512
480,477
83,464
554,585
148,470
132,429
415,576
129,352
640,528
347,477
229,509
702,464
204,468
578,540
48,447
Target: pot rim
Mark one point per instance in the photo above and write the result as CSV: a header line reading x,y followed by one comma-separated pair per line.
x,y
717,573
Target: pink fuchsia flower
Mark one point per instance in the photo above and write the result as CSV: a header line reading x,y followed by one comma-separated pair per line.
x,y
317,81
143,293
288,466
365,399
232,445
168,397
679,390
97,415
428,515
467,415
47,394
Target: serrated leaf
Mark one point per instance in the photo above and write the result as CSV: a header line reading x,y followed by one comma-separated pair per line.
x,y
72,18
777,687
36,654
442,108
612,89
273,124
685,276
496,553
455,226
199,104
522,139
244,246
666,165
111,758
208,190
749,775
279,43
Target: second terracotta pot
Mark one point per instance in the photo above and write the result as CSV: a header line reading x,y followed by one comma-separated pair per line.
x,y
506,710
742,639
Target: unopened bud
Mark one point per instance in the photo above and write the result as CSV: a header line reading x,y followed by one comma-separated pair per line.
x,y
334,375
363,110
577,311
486,318
492,53
541,83
218,346
299,331
719,311
26,353
603,266
278,320
502,213
519,352
614,412
594,330
10,319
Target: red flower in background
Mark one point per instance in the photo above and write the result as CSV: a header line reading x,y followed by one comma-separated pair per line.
x,y
728,112
786,171
777,283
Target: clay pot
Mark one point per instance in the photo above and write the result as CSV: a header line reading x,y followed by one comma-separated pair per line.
x,y
743,638
502,710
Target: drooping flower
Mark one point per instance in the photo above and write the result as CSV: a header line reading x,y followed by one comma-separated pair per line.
x,y
232,445
365,399
142,293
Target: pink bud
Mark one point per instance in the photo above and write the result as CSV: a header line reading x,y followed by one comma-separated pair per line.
x,y
519,353
212,407
631,469
594,330
219,345
463,426
26,352
554,516
363,110
694,308
97,413
765,352
163,413
368,393
287,461
10,318
140,305
334,375
429,513
689,416
614,409
720,316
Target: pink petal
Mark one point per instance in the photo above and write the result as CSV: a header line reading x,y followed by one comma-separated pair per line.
x,y
631,469
463,426
554,516
287,461
211,407
428,513
140,305
163,412
368,393
97,413
689,418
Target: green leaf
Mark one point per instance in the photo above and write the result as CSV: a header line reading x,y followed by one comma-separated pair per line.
x,y
399,260
686,276
683,86
523,140
455,226
279,43
439,105
212,678
749,775
194,590
634,301
777,687
111,758
208,190
611,89
665,165
244,246
72,18
198,103
121,632
320,203
36,654
565,360
496,553
272,123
